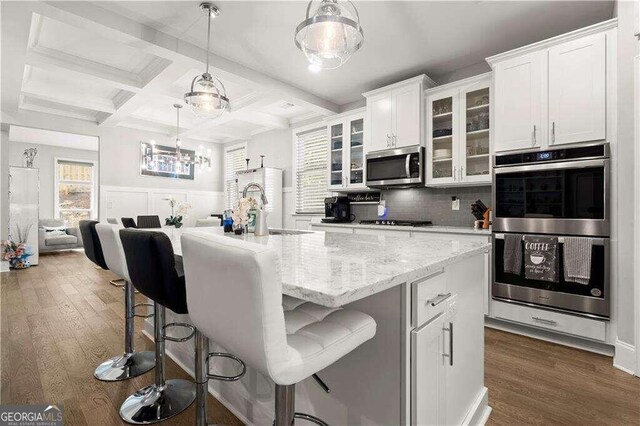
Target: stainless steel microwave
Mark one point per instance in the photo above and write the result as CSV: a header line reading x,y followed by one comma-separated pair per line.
x,y
396,167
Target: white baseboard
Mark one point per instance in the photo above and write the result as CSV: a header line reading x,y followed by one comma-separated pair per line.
x,y
212,391
480,411
625,357
550,336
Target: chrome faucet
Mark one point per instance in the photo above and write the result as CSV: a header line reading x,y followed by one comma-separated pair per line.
x,y
261,218
263,196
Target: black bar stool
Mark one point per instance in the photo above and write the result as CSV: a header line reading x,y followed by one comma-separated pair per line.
x,y
149,222
151,264
128,222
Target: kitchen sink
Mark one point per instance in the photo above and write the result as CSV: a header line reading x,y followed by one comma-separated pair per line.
x,y
288,232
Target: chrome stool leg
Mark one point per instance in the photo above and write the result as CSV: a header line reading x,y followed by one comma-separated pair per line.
x,y
286,404
203,375
163,399
131,363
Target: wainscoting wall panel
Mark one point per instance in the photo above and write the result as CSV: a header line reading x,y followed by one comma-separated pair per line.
x,y
121,201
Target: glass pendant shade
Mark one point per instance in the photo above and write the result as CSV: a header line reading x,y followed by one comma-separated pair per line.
x,y
207,98
331,35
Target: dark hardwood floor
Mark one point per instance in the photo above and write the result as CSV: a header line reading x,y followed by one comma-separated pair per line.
x,y
59,320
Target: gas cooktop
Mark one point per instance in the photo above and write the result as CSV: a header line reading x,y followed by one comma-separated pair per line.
x,y
415,223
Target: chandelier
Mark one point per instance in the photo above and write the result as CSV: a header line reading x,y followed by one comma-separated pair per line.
x,y
331,35
207,96
175,160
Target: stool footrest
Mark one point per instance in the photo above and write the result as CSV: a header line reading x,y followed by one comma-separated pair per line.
x,y
139,315
310,418
226,378
119,282
178,324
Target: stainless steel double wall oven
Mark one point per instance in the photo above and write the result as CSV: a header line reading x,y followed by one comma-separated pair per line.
x,y
558,192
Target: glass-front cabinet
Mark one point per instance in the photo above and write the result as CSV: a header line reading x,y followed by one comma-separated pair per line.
x,y
346,153
458,133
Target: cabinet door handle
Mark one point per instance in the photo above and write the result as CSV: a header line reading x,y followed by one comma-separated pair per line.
x,y
388,141
553,132
395,140
461,172
455,173
545,321
533,138
438,299
450,354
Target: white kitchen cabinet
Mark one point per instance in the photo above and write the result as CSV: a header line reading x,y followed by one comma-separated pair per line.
x,y
458,133
428,391
519,102
406,118
555,92
395,115
379,122
346,147
448,374
577,85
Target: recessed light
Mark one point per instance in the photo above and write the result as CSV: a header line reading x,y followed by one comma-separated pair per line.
x,y
314,68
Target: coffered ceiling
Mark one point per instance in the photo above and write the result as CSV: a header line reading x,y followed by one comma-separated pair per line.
x,y
126,63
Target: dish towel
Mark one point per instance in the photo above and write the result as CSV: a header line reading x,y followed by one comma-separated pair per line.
x,y
512,253
577,259
541,258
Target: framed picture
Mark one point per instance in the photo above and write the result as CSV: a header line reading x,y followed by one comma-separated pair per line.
x,y
160,161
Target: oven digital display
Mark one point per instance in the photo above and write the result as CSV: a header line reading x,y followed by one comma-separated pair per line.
x,y
545,156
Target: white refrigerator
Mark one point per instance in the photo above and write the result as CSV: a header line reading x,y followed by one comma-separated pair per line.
x,y
271,180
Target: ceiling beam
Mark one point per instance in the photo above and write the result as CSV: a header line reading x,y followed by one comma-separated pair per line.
x,y
242,106
170,73
72,98
124,30
263,119
27,104
56,61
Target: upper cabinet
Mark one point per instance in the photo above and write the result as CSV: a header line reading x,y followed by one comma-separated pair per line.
x,y
554,92
519,109
394,115
346,152
577,90
459,133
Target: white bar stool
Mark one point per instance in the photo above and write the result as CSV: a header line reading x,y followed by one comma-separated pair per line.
x,y
234,295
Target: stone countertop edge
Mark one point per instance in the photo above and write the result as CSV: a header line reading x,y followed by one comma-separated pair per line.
x,y
432,228
352,295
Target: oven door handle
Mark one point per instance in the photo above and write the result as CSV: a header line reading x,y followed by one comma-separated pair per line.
x,y
594,241
564,165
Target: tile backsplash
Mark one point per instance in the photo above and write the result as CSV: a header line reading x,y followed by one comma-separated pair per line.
x,y
432,204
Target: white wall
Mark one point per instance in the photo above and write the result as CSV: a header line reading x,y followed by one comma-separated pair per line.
x,y
627,45
45,162
119,163
120,155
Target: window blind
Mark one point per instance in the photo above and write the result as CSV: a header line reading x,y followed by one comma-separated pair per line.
x,y
311,170
234,160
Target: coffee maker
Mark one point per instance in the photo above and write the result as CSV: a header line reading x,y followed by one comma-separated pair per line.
x,y
336,210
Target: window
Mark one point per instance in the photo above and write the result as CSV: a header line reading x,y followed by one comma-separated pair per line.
x,y
311,170
74,191
234,161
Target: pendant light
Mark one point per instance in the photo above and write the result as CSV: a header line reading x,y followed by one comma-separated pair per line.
x,y
207,97
331,35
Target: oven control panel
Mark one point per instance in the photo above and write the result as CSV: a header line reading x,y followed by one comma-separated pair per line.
x,y
578,153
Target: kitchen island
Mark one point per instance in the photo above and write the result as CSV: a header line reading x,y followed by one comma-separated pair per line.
x,y
425,364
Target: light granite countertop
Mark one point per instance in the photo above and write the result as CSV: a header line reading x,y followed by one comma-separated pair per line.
x,y
334,269
433,228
